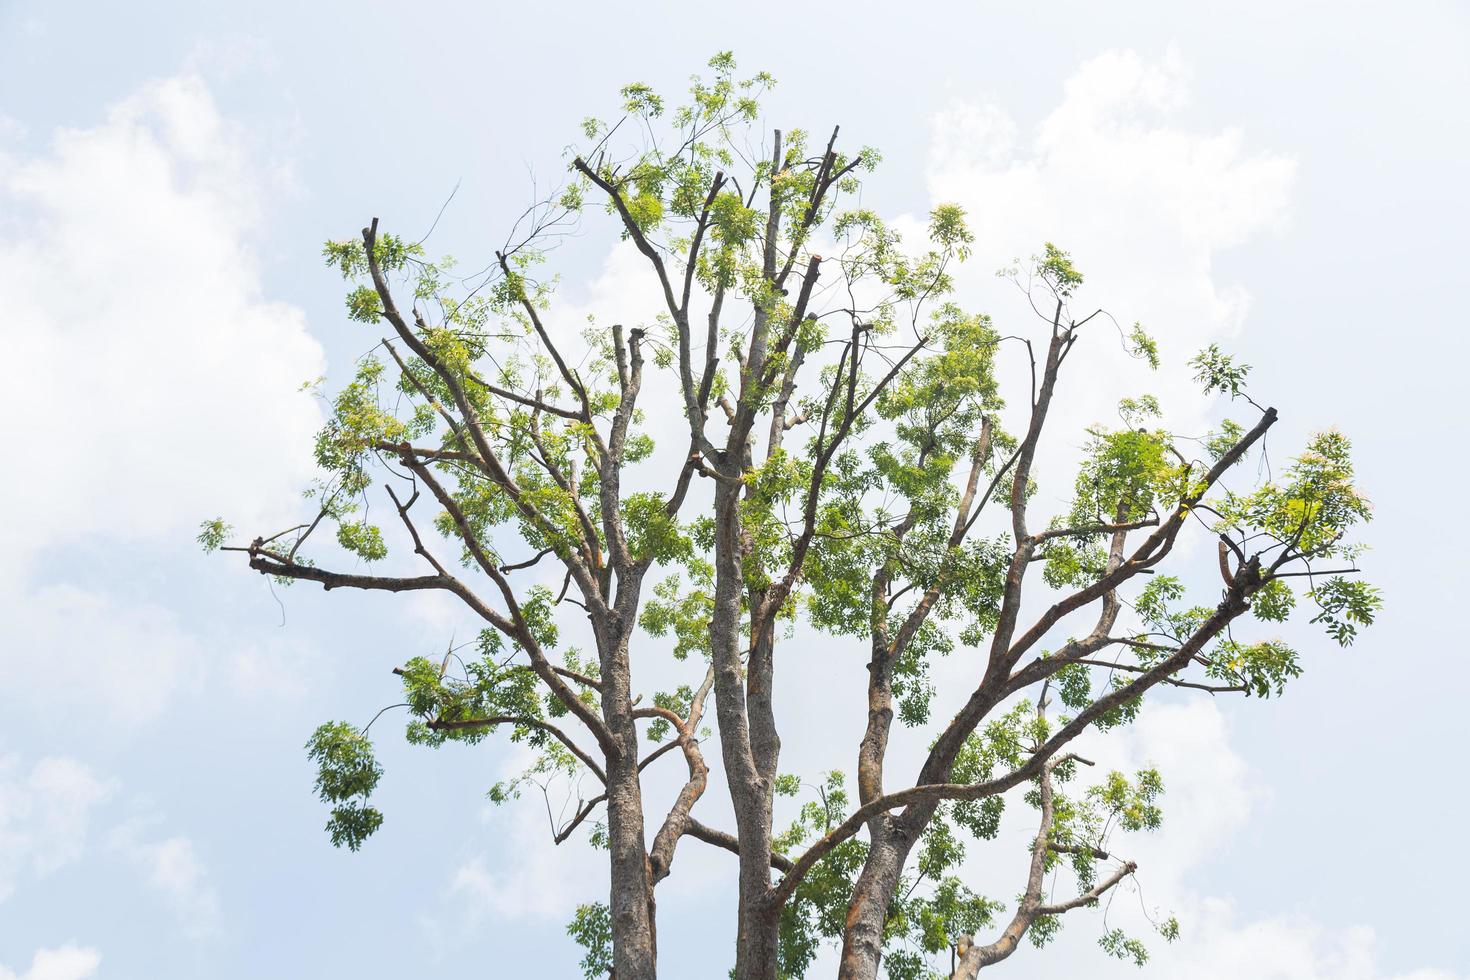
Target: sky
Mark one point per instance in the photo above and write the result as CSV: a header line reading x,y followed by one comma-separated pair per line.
x,y
1283,178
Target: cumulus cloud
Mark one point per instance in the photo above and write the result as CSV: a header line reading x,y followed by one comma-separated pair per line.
x,y
44,816
1143,202
47,813
1211,795
1227,945
61,963
528,879
152,361
104,659
159,385
173,870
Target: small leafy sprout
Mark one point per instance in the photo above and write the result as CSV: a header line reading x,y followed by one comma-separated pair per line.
x,y
1057,269
1218,371
212,534
1141,345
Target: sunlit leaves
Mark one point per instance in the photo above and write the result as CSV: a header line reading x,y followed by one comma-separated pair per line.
x,y
1313,505
1262,668
1057,270
947,229
1143,346
1274,602
364,305
1132,803
652,534
212,533
362,539
1222,441
681,610
1124,473
818,909
1217,371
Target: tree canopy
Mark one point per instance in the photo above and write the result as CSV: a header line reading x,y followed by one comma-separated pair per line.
x,y
841,449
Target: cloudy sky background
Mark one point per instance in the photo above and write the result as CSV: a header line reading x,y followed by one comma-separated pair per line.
x,y
1285,179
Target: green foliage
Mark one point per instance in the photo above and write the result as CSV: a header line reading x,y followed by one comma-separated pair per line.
x,y
1345,604
495,417
1141,345
591,928
362,539
1134,804
446,707
1125,473
922,927
1044,929
652,534
1312,507
678,702
347,774
1218,371
682,610
212,534
1115,942
817,910
1219,443
1274,602
1057,270
947,229
1262,668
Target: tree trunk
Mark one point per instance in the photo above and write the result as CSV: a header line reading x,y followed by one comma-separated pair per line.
x,y
630,899
867,912
760,928
747,772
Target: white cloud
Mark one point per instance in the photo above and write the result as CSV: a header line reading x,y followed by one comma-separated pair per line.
x,y
527,878
152,366
530,879
44,816
1211,794
1277,948
173,870
161,382
1143,203
177,873
106,660
61,963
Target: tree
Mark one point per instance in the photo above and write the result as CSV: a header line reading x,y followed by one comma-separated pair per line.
x,y
840,461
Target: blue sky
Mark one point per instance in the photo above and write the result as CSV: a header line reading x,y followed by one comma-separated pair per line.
x,y
1283,178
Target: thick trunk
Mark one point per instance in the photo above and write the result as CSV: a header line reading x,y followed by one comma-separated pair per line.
x,y
862,939
631,897
755,946
747,773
